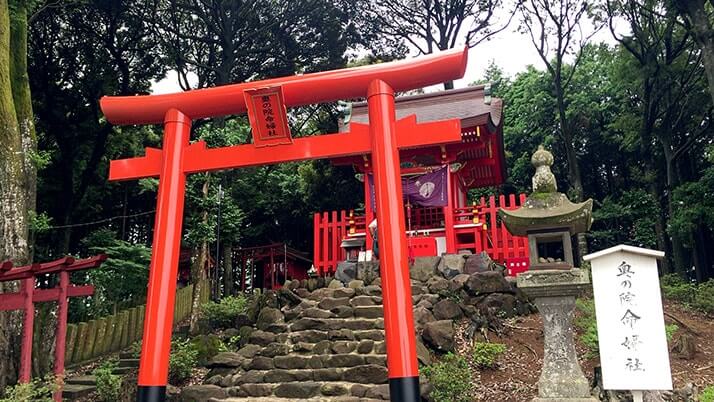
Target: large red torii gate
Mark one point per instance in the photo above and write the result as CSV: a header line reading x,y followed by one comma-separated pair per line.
x,y
265,101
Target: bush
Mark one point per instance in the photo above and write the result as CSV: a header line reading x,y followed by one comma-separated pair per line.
x,y
704,298
183,359
38,390
224,313
670,330
676,288
707,394
451,379
486,354
699,297
108,383
587,324
135,349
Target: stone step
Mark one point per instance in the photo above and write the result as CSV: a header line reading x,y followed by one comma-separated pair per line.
x,y
298,362
76,391
317,335
304,390
123,370
82,380
127,355
316,399
326,324
129,363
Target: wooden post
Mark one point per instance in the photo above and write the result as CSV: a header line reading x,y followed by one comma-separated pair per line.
x,y
28,287
449,213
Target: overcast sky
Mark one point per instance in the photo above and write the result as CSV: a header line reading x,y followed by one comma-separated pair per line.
x,y
511,50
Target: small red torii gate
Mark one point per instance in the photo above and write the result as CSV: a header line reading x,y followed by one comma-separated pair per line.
x,y
26,298
266,102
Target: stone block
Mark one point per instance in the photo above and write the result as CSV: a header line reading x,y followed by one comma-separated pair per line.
x,y
424,268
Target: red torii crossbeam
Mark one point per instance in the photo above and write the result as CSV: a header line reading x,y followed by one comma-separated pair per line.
x,y
382,138
26,298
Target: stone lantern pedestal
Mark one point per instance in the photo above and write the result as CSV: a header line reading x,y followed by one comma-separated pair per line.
x,y
554,293
549,220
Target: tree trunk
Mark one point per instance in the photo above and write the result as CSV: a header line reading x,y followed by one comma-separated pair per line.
x,y
701,27
228,268
13,200
198,269
576,181
23,104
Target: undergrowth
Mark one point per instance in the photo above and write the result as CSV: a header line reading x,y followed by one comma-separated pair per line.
x,y
223,314
486,354
183,359
451,378
38,390
699,297
108,384
707,394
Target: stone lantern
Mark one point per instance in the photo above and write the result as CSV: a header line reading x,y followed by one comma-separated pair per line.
x,y
550,220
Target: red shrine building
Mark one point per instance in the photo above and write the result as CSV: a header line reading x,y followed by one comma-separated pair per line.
x,y
435,182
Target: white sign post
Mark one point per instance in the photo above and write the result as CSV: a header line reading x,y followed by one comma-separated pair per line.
x,y
630,321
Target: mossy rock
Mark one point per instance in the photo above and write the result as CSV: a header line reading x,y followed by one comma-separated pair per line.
x,y
207,346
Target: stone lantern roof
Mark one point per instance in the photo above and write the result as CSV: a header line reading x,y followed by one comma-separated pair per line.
x,y
546,208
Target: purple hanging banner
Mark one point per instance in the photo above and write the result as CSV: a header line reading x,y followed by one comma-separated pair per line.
x,y
426,190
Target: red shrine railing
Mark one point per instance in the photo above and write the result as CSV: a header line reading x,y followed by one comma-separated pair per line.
x,y
475,227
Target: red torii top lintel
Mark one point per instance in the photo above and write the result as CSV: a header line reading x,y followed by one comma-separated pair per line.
x,y
304,89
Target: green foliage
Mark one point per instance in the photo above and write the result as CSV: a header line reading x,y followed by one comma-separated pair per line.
x,y
486,354
625,218
699,297
694,206
707,394
38,390
704,298
121,280
39,222
675,288
670,330
135,349
183,359
233,343
224,313
587,324
108,384
451,378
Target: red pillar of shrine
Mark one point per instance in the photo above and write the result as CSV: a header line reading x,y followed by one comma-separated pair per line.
x,y
28,288
368,213
396,285
449,213
159,316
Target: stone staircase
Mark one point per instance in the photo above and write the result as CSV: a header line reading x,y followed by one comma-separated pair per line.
x,y
317,343
82,386
330,345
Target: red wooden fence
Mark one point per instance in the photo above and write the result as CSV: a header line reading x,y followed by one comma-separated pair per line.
x,y
331,227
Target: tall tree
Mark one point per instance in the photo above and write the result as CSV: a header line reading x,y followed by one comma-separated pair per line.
x,y
670,102
15,152
433,25
559,30
698,18
79,53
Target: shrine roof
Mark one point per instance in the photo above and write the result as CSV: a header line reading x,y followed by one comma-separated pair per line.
x,y
481,148
471,105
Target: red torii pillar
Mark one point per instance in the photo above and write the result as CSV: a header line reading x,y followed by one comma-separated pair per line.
x,y
273,144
